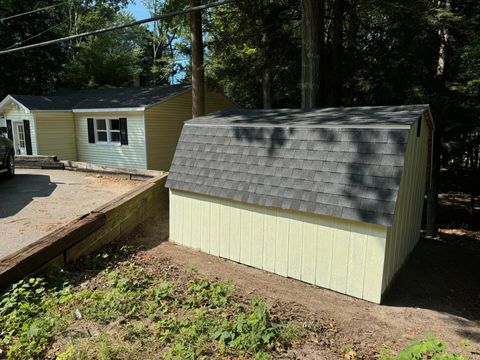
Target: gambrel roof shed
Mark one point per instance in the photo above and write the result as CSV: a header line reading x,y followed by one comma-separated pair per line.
x,y
350,164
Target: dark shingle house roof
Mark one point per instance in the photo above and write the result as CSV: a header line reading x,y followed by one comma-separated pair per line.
x,y
110,98
343,162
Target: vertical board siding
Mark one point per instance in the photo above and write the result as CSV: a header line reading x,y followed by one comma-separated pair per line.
x,y
405,232
131,155
17,115
164,122
342,255
56,134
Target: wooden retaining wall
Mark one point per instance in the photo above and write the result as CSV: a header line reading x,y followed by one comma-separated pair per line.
x,y
86,234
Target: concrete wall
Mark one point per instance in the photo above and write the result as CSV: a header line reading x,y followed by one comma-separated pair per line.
x,y
405,232
56,134
17,114
131,155
341,255
164,122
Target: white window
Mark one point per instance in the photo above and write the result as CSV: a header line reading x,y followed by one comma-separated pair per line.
x,y
107,131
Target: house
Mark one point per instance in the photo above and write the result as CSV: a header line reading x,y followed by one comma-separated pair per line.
x,y
134,127
332,197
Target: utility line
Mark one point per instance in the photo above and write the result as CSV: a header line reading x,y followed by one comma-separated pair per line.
x,y
31,12
32,37
117,27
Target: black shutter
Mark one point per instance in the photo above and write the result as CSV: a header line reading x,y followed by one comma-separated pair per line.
x,y
91,131
123,131
28,136
9,129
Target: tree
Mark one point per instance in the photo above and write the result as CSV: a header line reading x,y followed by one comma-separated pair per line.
x,y
253,52
111,59
198,74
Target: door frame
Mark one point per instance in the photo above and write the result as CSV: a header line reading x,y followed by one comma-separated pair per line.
x,y
16,138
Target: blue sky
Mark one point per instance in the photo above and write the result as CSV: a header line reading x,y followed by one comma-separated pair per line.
x,y
138,10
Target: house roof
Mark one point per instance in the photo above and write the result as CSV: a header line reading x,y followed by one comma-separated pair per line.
x,y
111,98
344,162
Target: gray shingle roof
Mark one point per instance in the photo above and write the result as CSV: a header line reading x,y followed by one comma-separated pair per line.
x,y
374,116
100,98
308,161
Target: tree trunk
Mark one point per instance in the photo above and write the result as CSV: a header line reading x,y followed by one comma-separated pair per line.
x,y
267,22
267,88
432,199
337,54
312,51
432,194
198,74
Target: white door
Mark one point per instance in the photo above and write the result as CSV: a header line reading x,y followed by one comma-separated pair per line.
x,y
21,144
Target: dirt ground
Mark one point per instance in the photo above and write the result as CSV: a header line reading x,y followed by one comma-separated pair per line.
x,y
37,202
437,292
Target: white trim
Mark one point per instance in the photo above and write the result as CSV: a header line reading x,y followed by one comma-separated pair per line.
x,y
108,130
145,144
108,110
47,111
11,98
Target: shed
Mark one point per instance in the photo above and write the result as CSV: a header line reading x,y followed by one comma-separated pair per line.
x,y
332,197
128,127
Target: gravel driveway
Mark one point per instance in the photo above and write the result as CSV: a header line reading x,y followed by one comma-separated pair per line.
x,y
36,202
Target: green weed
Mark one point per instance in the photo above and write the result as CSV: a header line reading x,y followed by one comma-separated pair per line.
x,y
429,348
30,315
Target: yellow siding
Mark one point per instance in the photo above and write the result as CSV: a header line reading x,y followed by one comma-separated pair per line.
x,y
405,232
164,122
342,255
17,114
131,155
56,134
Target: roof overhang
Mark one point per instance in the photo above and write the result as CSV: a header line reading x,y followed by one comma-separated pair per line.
x,y
11,99
142,108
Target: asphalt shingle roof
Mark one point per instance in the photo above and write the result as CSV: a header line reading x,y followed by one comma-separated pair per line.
x,y
344,162
100,98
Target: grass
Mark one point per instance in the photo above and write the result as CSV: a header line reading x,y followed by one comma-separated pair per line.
x,y
119,310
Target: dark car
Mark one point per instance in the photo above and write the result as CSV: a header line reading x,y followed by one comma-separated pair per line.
x,y
7,154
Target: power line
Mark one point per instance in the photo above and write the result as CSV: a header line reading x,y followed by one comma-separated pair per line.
x,y
32,37
117,27
31,12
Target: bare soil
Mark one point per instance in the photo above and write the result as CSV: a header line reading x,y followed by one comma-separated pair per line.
x,y
437,292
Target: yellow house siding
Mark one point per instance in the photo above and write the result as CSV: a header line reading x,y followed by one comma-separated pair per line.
x,y
131,155
56,134
17,114
405,231
164,122
341,255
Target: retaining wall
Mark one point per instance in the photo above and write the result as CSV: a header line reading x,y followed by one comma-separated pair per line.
x,y
86,234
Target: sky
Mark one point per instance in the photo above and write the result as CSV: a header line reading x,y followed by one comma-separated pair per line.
x,y
138,10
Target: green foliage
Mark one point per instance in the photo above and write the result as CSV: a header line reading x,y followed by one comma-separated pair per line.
x,y
205,293
429,348
30,315
135,312
251,331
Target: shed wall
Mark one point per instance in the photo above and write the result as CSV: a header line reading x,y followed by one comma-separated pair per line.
x,y
56,134
17,114
164,122
405,231
341,255
131,155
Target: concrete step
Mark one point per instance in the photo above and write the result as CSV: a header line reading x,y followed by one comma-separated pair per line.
x,y
38,162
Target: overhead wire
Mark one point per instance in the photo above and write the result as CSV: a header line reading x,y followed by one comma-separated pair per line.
x,y
30,12
118,27
18,43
